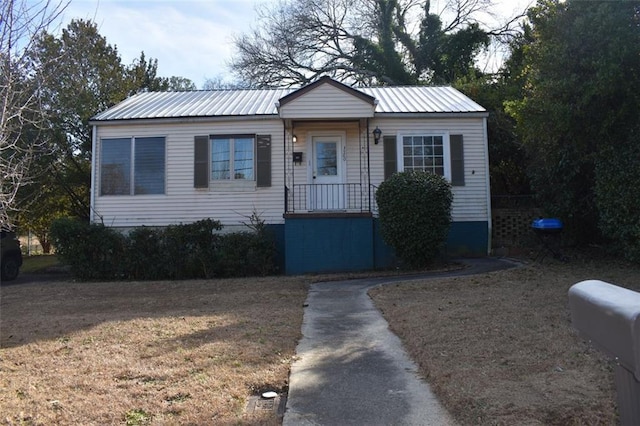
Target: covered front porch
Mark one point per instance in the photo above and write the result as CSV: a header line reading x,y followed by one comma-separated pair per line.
x,y
330,209
330,214
327,168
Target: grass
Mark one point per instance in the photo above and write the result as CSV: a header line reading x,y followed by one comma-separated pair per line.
x,y
498,349
188,352
39,263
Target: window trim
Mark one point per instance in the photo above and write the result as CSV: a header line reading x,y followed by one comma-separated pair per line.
x,y
132,160
446,151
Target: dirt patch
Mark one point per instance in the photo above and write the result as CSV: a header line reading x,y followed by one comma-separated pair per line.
x,y
187,352
499,349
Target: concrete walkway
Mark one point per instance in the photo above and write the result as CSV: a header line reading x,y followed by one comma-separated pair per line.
x,y
351,370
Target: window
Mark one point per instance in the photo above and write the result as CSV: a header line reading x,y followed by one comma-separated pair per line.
x,y
132,166
232,162
232,158
424,153
441,154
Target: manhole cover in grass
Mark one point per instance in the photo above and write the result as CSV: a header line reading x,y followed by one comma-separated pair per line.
x,y
257,404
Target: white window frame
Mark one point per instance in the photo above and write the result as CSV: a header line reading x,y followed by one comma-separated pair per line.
x,y
445,148
233,184
132,157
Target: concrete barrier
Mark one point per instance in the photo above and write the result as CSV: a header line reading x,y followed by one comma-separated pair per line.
x,y
609,317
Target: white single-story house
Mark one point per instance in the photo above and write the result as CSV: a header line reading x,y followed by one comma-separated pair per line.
x,y
307,160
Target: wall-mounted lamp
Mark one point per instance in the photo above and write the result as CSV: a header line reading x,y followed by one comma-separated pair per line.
x,y
376,135
295,139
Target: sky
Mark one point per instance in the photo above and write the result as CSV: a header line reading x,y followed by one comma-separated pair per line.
x,y
189,38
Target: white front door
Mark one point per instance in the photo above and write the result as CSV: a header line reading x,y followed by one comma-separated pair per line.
x,y
327,173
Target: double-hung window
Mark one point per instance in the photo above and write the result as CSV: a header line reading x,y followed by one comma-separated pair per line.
x,y
132,166
438,153
239,162
232,157
424,152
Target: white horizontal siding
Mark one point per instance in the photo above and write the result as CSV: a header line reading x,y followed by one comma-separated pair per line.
x,y
182,203
325,102
469,201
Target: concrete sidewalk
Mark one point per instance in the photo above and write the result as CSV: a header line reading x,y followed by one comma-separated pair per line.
x,y
351,370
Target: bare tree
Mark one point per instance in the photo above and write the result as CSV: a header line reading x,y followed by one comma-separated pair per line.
x,y
21,114
365,41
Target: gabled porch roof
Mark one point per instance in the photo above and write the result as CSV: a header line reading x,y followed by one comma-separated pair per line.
x,y
326,99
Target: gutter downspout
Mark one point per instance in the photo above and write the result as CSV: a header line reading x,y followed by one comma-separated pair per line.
x,y
284,155
94,168
488,186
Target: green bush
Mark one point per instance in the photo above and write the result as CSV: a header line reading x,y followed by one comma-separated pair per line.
x,y
246,254
146,257
93,251
193,250
415,215
618,196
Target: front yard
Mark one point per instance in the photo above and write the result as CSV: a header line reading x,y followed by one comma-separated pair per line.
x,y
497,348
188,352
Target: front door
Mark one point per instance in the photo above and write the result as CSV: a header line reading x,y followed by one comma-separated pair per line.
x,y
327,171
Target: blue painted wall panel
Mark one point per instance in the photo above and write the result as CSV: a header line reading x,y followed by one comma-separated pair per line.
x,y
328,244
385,255
338,244
468,239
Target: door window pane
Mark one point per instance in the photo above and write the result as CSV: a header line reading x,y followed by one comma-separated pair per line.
x,y
327,158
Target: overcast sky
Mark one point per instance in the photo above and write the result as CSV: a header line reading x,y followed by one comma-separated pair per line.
x,y
190,38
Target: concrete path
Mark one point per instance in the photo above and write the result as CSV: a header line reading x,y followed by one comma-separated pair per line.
x,y
351,370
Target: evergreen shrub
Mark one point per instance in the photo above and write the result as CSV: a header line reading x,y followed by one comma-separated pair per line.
x,y
415,215
195,250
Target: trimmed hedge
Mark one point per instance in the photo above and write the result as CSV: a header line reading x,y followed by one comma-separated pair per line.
x,y
196,250
415,215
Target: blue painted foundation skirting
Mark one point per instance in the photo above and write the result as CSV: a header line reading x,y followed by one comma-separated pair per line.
x,y
340,243
468,239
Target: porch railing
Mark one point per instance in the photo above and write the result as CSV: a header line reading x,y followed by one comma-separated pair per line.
x,y
331,197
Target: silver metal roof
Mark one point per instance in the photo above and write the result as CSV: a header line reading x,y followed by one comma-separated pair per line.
x,y
421,99
227,103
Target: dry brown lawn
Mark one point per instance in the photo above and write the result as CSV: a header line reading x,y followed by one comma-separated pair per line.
x,y
188,352
499,349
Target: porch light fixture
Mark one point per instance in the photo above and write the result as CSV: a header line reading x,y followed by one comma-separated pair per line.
x,y
376,135
295,139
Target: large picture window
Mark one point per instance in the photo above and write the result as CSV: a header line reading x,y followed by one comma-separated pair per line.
x,y
232,157
132,166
